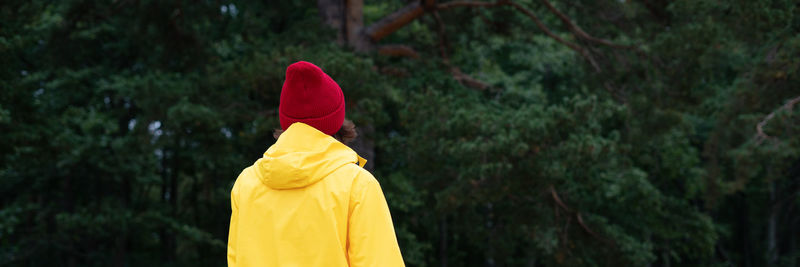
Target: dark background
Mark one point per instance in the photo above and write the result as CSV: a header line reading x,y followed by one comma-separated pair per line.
x,y
524,133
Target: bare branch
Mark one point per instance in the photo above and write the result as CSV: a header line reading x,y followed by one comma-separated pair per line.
x,y
394,71
574,28
405,15
583,52
467,80
760,134
470,4
561,204
557,199
459,76
578,31
586,228
398,50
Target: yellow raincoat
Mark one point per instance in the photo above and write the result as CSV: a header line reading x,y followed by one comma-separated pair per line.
x,y
307,203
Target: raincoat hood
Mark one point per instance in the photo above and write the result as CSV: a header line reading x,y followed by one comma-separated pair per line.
x,y
301,157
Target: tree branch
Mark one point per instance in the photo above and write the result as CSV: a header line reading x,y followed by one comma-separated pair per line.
x,y
760,134
458,75
575,29
467,80
583,52
470,4
405,15
394,21
557,199
586,228
442,37
561,204
397,50
578,31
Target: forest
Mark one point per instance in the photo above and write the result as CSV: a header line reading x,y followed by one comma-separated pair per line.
x,y
502,132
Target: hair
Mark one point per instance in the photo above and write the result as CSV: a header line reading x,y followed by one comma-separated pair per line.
x,y
346,134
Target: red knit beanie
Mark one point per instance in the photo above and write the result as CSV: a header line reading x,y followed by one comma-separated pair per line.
x,y
310,96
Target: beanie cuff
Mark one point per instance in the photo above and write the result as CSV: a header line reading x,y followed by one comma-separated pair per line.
x,y
328,124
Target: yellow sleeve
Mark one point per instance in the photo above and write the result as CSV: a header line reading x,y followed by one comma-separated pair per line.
x,y
371,237
232,234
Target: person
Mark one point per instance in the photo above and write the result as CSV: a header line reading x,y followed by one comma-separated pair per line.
x,y
308,201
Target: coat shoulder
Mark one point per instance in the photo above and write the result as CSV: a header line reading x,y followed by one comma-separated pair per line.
x,y
362,178
247,178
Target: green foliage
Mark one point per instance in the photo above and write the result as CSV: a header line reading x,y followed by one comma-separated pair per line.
x,y
124,123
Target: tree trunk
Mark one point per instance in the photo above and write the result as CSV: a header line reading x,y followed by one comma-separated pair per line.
x,y
355,26
347,18
443,241
772,239
332,13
